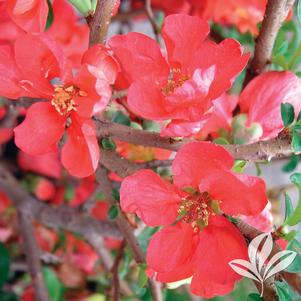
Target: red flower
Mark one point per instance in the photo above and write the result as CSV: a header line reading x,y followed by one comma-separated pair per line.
x,y
262,97
44,189
28,70
46,165
244,14
197,240
29,15
219,117
67,30
182,88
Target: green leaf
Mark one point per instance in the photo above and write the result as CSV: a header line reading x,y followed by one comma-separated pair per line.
x,y
284,291
69,193
255,297
116,194
50,16
221,141
145,236
292,164
299,116
54,285
281,49
289,209
83,6
239,166
287,114
142,277
121,118
4,264
113,212
296,137
295,266
299,11
8,296
295,217
108,144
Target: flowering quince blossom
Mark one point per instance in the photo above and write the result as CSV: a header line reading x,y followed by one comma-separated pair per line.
x,y
181,87
262,97
219,117
27,15
67,30
197,240
72,99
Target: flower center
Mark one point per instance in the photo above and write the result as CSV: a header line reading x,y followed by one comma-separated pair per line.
x,y
63,98
196,209
176,80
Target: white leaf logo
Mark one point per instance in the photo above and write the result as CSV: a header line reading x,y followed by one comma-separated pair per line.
x,y
261,267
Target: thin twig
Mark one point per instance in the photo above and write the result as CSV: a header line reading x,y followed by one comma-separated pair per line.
x,y
276,12
100,21
115,272
152,19
32,253
126,229
259,151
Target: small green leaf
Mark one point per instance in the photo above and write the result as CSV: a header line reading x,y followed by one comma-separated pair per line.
x,y
296,179
255,297
287,114
299,116
54,285
69,193
221,141
284,291
4,264
8,296
108,144
50,16
295,266
83,6
299,11
113,212
281,49
116,194
239,166
296,137
142,277
295,217
121,118
100,196
289,209
292,164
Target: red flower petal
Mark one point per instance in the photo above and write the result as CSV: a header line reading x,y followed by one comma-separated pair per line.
x,y
238,193
170,248
80,153
10,74
137,52
101,63
30,15
262,97
183,35
147,100
189,101
86,82
46,164
219,243
152,199
194,160
228,59
48,63
41,130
